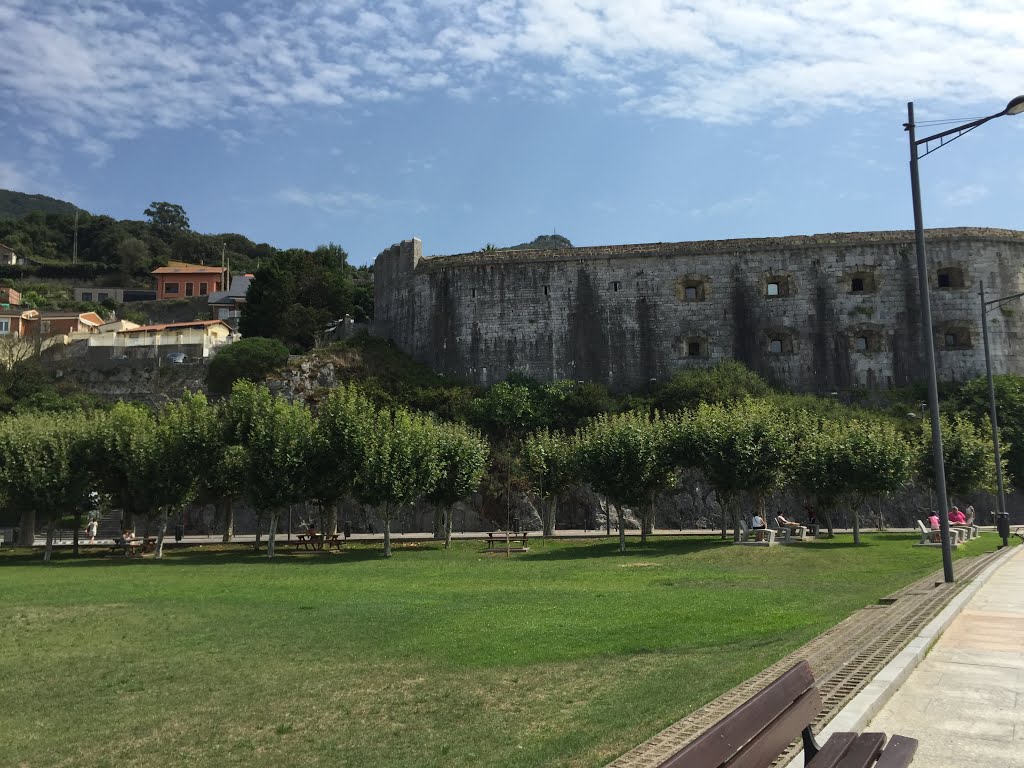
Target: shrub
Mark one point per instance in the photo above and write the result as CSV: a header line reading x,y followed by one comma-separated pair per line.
x,y
251,359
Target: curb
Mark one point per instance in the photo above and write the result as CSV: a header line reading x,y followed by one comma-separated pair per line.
x,y
865,705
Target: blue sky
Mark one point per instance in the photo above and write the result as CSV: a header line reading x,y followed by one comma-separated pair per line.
x,y
463,123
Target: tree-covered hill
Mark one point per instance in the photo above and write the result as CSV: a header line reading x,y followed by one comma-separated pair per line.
x,y
542,243
14,205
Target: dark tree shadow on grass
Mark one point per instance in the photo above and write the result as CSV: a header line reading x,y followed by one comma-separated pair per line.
x,y
610,548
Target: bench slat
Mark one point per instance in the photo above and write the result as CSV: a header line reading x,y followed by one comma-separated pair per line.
x,y
898,753
864,751
720,742
783,731
833,751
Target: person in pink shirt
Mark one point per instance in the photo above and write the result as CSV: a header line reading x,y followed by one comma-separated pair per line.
x,y
956,517
933,521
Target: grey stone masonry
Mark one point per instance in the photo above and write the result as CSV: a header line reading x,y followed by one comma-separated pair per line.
x,y
812,313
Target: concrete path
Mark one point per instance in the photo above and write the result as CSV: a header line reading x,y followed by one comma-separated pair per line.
x,y
965,701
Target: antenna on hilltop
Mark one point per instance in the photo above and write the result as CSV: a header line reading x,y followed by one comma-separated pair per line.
x,y
74,248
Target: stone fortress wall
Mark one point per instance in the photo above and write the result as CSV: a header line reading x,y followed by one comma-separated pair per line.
x,y
814,313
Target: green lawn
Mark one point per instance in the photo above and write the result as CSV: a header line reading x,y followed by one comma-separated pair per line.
x,y
568,655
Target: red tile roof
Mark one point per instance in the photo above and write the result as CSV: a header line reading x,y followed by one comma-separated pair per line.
x,y
167,326
188,269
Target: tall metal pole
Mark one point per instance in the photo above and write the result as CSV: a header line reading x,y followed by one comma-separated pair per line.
x,y
992,402
929,347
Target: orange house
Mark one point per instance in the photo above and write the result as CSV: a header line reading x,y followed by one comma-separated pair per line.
x,y
55,322
179,280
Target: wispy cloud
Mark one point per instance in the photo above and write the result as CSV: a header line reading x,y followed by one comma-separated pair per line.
x,y
99,71
337,202
967,195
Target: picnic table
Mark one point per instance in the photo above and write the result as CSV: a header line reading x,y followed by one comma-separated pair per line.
x,y
317,541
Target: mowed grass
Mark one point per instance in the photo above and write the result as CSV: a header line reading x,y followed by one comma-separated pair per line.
x,y
567,655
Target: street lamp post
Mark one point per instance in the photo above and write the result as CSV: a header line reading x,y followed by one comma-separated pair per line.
x,y
986,307
1016,106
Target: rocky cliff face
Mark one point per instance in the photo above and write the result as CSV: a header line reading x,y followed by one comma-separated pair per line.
x,y
152,385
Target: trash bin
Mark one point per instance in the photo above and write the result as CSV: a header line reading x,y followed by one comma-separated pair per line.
x,y
179,532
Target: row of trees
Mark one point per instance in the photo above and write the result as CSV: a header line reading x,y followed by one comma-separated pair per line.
x,y
251,445
749,450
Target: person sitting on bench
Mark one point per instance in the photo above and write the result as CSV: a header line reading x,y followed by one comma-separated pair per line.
x,y
788,523
933,520
956,517
757,525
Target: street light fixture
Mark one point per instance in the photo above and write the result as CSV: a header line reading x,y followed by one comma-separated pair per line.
x,y
1014,107
986,307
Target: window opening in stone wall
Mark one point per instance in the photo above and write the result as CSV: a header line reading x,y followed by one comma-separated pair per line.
x,y
616,285
691,293
950,339
473,295
857,285
861,344
545,290
775,346
950,277
773,289
693,349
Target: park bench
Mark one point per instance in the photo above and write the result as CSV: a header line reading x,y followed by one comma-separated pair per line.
x,y
749,536
933,538
334,541
790,534
759,731
506,541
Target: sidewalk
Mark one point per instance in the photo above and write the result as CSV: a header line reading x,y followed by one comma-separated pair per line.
x,y
965,701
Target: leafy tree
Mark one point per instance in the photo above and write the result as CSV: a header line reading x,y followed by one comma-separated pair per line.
x,y
123,439
462,460
133,254
847,460
294,296
167,217
400,465
278,438
222,481
567,405
43,470
726,382
250,359
746,447
1009,388
344,424
619,458
968,453
551,464
508,410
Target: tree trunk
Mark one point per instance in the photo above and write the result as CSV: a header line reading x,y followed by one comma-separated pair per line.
x,y
607,517
332,518
550,512
164,517
78,526
127,513
734,512
449,514
228,510
27,534
855,509
272,534
387,532
439,522
622,527
256,544
51,528
723,506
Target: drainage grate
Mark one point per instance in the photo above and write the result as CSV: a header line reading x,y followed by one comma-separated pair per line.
x,y
844,660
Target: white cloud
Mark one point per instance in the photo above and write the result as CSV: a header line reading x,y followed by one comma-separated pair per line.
x,y
100,71
336,202
967,195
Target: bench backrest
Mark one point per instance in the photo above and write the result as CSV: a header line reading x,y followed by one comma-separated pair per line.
x,y
923,527
743,528
759,730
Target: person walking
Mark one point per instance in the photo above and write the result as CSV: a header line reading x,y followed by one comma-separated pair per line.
x,y
91,527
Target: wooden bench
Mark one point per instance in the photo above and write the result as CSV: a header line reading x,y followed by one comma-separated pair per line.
x,y
506,541
334,541
749,536
756,733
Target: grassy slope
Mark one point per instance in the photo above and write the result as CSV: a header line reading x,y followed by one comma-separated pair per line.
x,y
568,655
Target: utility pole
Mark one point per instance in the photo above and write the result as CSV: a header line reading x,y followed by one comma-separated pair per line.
x,y
74,248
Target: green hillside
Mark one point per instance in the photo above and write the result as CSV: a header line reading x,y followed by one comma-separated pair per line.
x,y
14,205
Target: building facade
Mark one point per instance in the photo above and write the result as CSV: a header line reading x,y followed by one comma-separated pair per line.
x,y
179,280
814,313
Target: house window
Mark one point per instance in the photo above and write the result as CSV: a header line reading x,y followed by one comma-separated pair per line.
x,y
5,326
87,296
188,289
861,344
775,346
773,289
101,296
170,287
693,349
203,288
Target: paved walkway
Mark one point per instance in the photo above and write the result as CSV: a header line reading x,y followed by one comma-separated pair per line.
x,y
965,701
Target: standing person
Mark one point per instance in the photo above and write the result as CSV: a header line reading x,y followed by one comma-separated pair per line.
x,y
969,514
91,529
